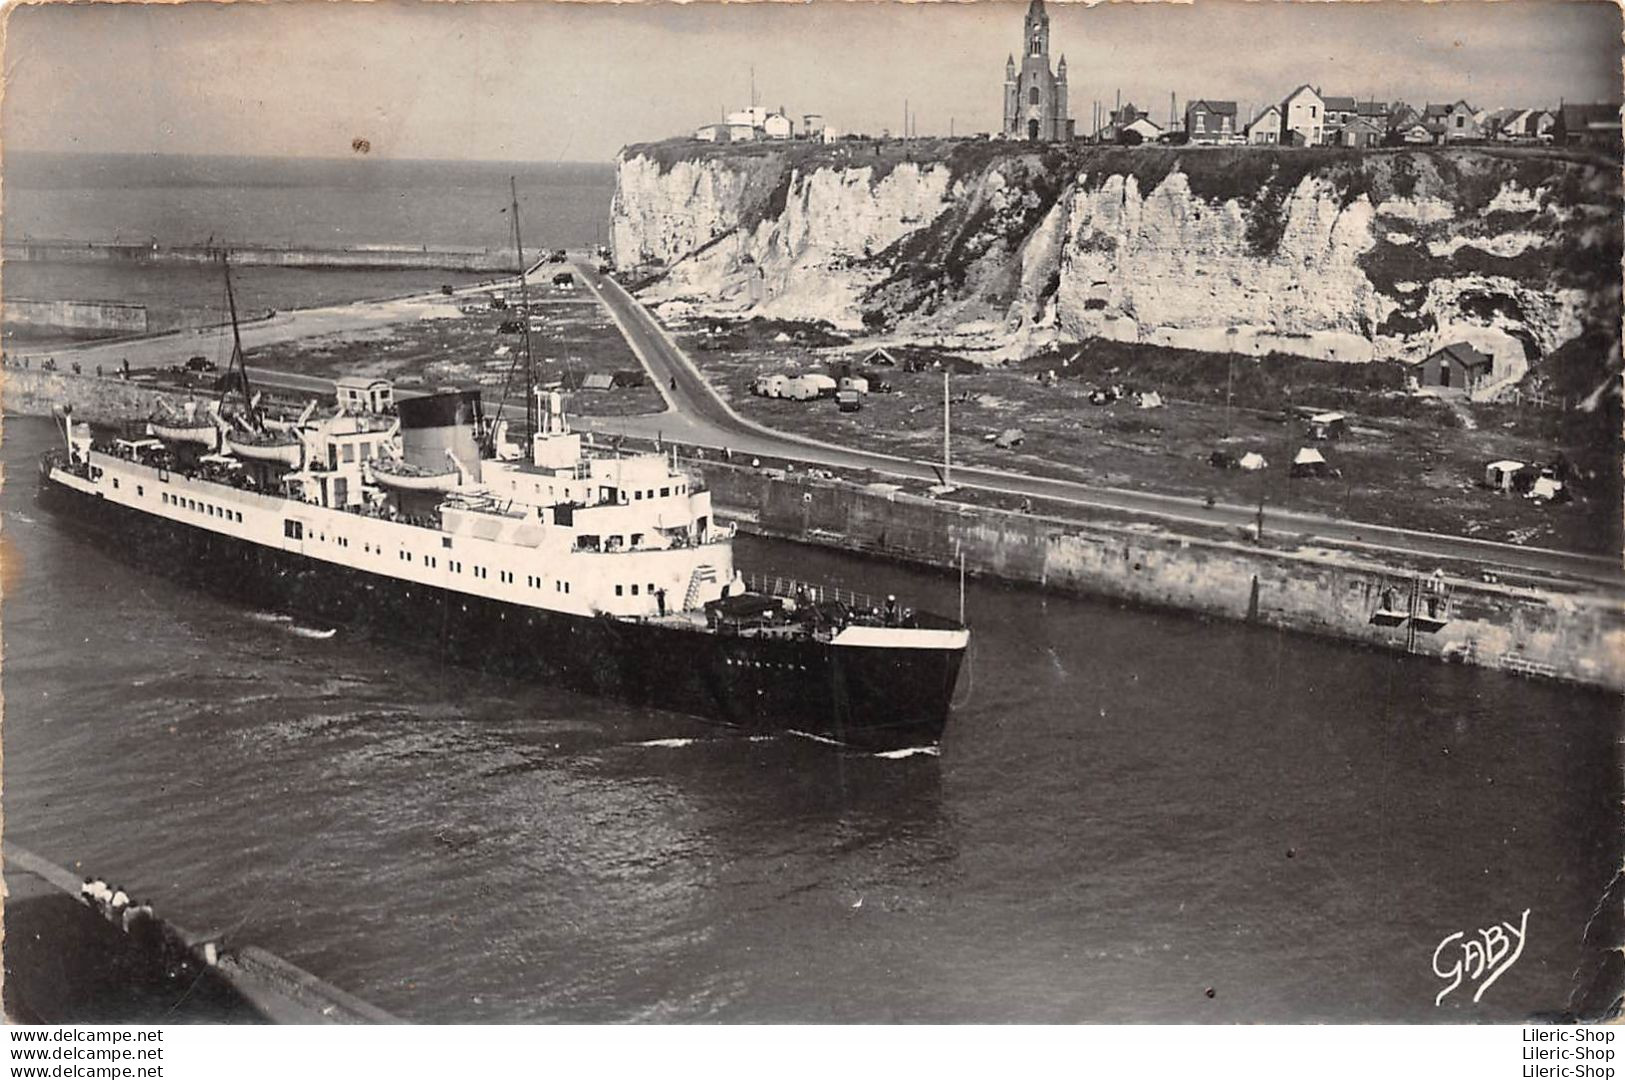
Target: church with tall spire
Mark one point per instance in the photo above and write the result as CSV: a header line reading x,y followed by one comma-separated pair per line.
x,y
1034,96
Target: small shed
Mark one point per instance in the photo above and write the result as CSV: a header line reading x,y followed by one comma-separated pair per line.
x,y
1500,475
1457,366
1327,426
359,394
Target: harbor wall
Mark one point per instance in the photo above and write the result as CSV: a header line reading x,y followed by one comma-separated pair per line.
x,y
92,318
1574,638
32,392
378,257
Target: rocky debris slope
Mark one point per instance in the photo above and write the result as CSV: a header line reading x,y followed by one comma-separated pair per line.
x,y
1008,248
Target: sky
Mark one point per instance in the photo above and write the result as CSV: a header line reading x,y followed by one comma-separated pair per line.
x,y
555,81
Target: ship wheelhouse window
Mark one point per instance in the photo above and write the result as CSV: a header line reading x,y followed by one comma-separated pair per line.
x,y
617,590
637,496
664,492
634,590
293,530
445,541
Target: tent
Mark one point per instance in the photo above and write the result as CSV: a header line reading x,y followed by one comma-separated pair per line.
x,y
1545,487
880,358
1309,462
1252,462
801,388
1150,400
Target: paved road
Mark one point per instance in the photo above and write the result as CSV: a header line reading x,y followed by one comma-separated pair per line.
x,y
697,415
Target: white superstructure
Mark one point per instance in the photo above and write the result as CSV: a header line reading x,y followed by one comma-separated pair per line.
x,y
561,530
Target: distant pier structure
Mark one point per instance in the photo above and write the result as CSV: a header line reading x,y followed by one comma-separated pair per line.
x,y
352,257
1035,106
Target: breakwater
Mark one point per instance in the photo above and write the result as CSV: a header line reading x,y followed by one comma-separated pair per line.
x,y
90,318
1577,638
357,257
67,962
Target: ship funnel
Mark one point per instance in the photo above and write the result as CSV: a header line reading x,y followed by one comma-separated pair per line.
x,y
437,424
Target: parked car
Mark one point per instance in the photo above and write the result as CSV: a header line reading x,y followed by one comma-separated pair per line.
x,y
199,363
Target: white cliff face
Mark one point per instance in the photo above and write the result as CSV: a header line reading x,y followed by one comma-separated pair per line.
x,y
807,262
661,215
1310,270
1183,271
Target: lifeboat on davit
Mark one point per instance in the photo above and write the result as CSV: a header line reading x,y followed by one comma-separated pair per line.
x,y
405,476
276,447
173,429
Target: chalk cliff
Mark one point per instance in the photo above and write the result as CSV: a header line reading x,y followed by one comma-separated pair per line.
x,y
1006,248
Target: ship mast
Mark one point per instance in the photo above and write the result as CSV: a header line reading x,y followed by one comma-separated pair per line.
x,y
532,412
237,359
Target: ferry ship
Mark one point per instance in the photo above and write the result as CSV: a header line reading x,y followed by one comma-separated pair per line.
x,y
604,573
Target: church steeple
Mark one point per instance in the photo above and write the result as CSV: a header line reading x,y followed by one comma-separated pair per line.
x,y
1035,95
1037,29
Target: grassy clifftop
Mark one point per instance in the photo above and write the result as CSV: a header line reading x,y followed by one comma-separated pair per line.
x,y
1215,172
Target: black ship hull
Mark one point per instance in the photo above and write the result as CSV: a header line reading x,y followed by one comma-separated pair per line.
x,y
865,697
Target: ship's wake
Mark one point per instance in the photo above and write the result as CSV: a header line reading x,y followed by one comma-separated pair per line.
x,y
909,751
285,622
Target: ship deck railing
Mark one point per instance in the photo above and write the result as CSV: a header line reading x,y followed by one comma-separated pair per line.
x,y
794,589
